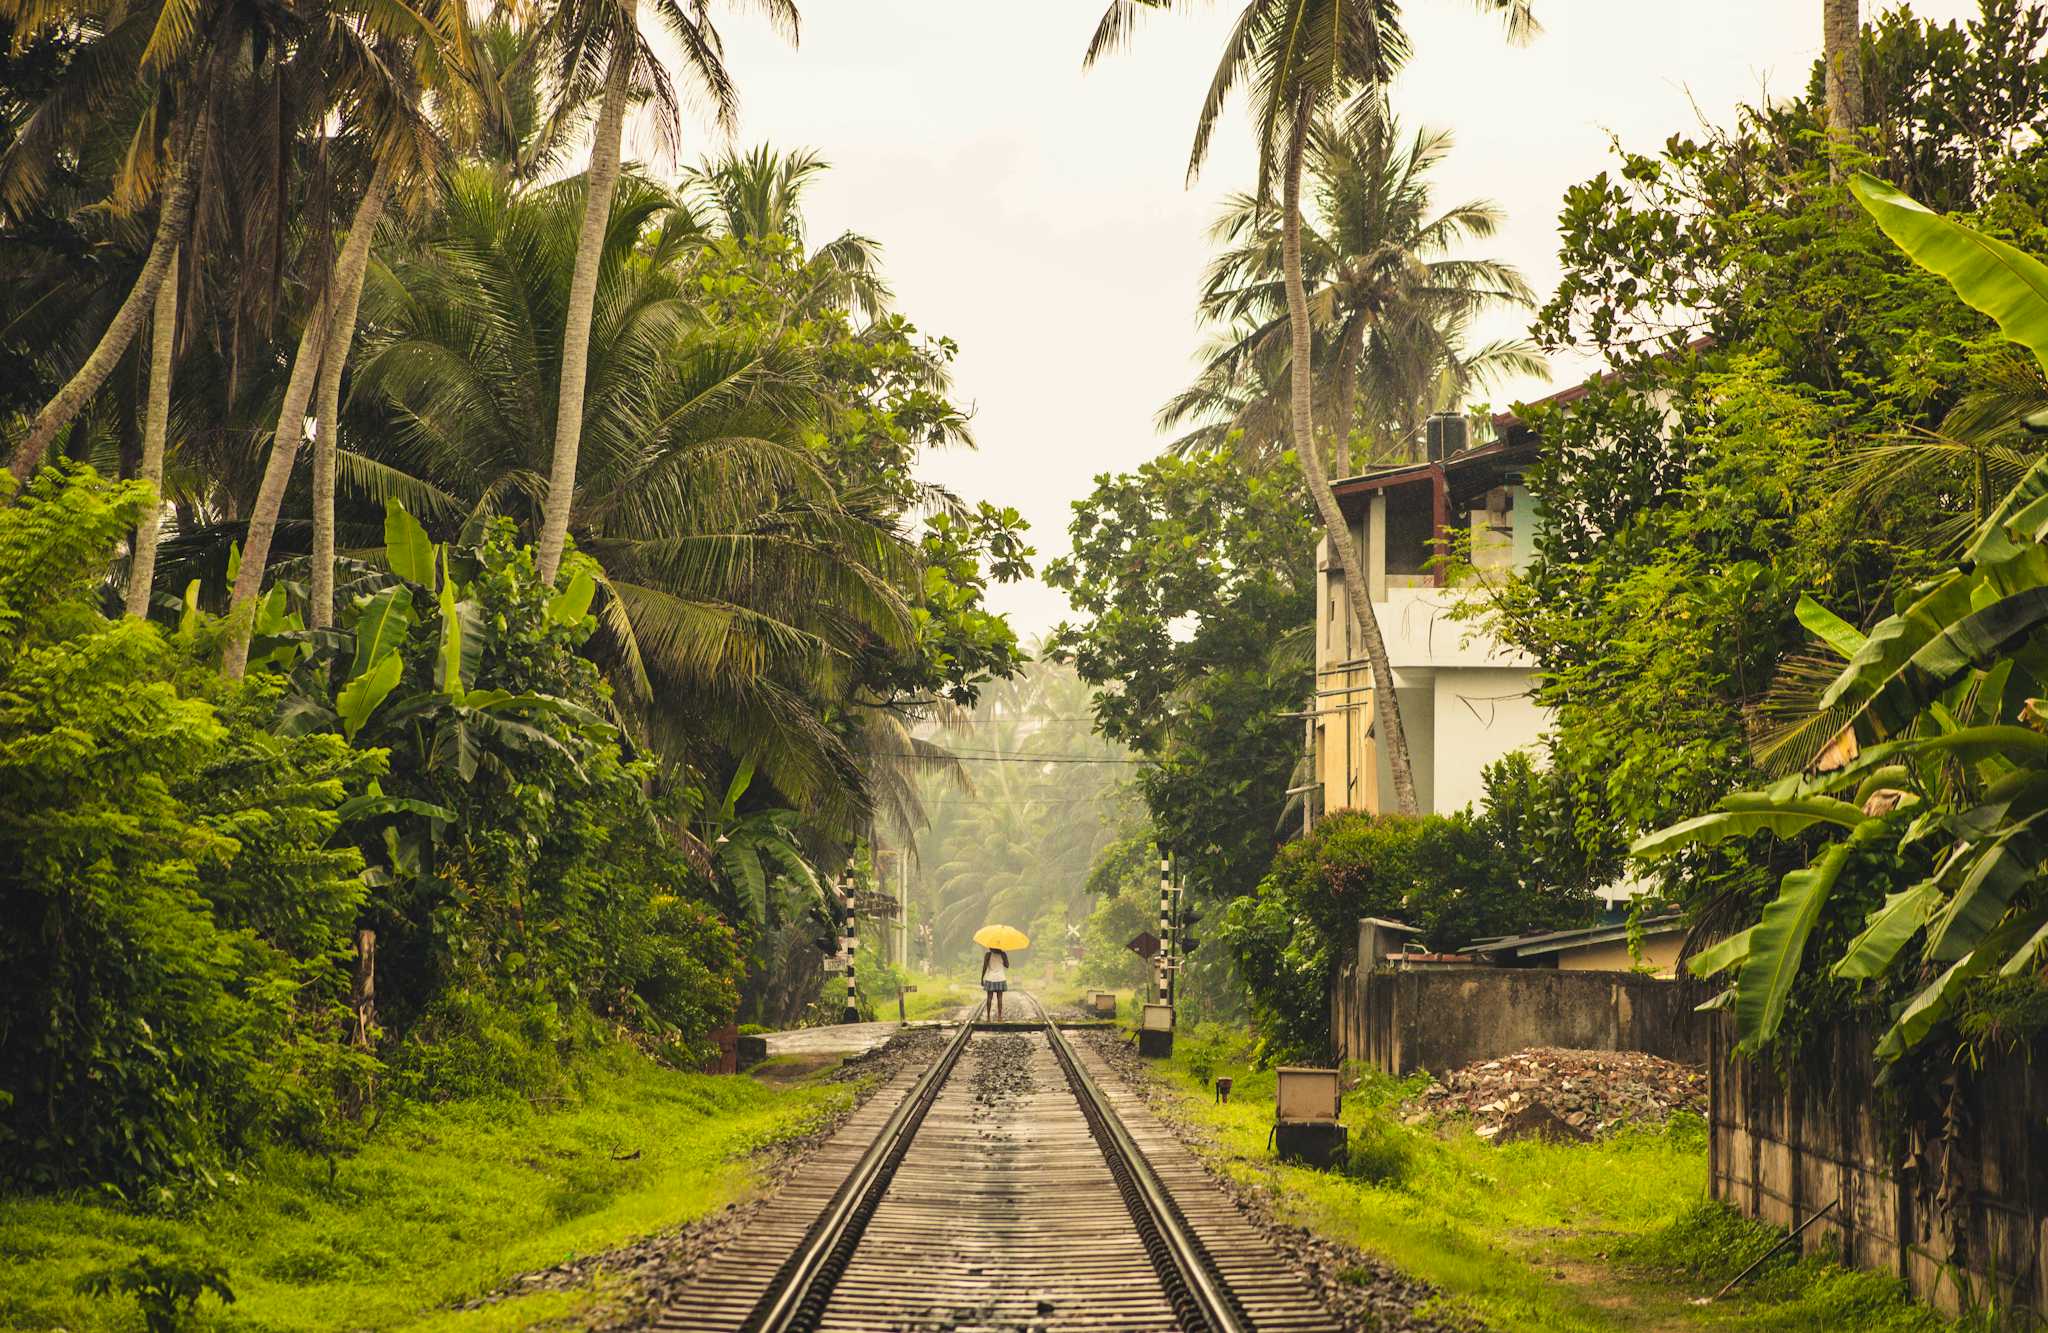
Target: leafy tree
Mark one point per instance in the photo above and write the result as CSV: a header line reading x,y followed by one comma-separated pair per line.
x,y
1779,377
1928,786
1305,59
1191,570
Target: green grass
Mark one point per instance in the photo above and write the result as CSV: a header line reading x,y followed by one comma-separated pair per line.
x,y
936,995
445,1203
1574,1238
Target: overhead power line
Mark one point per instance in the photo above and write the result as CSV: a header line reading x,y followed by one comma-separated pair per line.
x,y
1012,758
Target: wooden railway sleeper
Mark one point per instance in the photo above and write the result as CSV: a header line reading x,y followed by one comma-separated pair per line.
x,y
797,1297
1200,1297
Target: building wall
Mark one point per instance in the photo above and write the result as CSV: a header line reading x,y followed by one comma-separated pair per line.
x,y
1404,1020
1660,955
1481,714
1961,1220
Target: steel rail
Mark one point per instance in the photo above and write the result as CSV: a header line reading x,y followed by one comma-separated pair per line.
x,y
1201,1299
796,1299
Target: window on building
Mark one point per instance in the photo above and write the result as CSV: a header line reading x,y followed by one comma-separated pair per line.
x,y
1411,527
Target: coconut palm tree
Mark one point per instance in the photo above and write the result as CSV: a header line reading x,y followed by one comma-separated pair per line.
x,y
1389,297
155,431
1841,27
1303,59
372,64
735,584
758,194
599,51
176,59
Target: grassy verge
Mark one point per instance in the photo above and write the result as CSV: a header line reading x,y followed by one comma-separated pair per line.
x,y
443,1204
937,995
1574,1238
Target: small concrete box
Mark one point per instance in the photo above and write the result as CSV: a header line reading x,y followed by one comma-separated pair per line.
x,y
1306,1127
1155,1031
1102,1003
1307,1094
1316,1143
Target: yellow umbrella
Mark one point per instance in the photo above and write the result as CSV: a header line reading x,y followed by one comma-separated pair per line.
x,y
1005,938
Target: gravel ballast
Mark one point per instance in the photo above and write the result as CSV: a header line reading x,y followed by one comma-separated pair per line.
x,y
636,1279
1368,1295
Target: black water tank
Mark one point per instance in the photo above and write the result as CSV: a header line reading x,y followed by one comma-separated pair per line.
x,y
1446,434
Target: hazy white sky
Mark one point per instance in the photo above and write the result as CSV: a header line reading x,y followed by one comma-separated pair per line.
x,y
1040,216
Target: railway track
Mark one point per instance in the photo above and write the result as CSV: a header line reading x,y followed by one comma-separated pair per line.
x,y
1010,1184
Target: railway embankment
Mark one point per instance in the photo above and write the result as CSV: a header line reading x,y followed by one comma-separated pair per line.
x,y
1616,1233
467,1215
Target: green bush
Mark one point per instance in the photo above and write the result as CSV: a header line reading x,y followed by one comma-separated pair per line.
x,y
522,877
170,973
185,861
1457,877
1380,1152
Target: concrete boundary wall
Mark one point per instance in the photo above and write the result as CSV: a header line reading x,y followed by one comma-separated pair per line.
x,y
1402,1021
1956,1207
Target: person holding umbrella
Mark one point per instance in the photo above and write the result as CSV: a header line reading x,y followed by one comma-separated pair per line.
x,y
995,963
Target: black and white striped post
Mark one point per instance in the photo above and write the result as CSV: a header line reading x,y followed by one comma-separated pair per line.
x,y
848,944
1165,919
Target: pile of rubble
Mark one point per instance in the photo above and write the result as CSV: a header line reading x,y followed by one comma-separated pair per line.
x,y
1550,1092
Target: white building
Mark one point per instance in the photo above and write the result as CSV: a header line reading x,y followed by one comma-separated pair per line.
x,y
1465,698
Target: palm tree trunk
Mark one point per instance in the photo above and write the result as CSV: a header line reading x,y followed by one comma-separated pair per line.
x,y
600,184
1386,707
156,424
341,333
291,428
1841,38
174,219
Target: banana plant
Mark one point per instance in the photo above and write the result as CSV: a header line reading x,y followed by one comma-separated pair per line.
x,y
470,729
756,851
1941,753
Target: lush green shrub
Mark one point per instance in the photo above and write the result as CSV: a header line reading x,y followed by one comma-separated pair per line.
x,y
522,880
1457,877
169,971
185,861
1380,1152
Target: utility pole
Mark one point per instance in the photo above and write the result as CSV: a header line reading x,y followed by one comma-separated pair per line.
x,y
1172,946
849,942
1165,920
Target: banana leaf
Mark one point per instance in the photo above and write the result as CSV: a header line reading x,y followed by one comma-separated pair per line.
x,y
1995,878
2025,498
1777,945
571,604
1828,627
1886,930
359,698
381,626
1745,813
1892,643
1937,1000
2007,284
1974,641
1722,955
406,547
